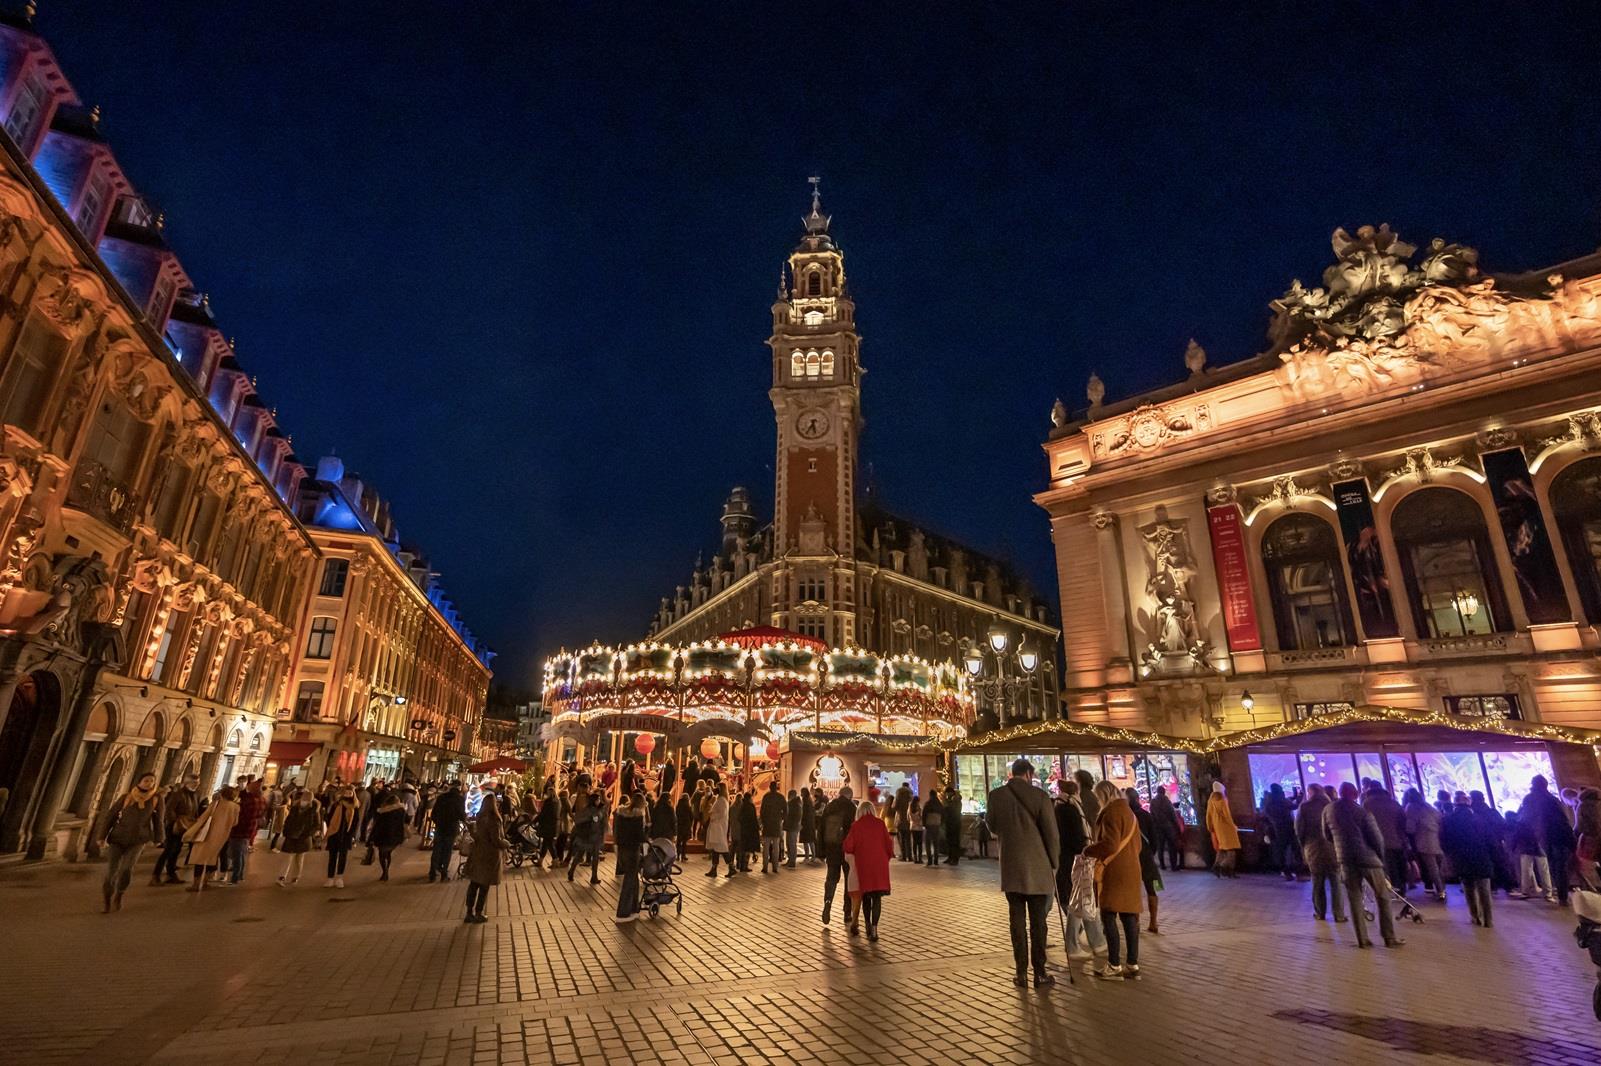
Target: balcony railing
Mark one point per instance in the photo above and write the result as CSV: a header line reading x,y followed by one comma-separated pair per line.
x,y
96,492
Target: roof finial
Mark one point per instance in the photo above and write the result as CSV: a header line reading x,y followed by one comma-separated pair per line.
x,y
816,223
817,195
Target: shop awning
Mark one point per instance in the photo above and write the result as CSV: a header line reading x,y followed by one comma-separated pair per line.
x,y
291,752
503,764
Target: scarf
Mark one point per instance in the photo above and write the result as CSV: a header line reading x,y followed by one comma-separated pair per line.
x,y
342,816
140,797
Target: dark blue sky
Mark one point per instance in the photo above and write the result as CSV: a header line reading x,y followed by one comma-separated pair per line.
x,y
514,261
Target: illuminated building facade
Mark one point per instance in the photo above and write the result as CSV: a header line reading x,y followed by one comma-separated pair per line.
x,y
1397,505
152,572
388,681
832,565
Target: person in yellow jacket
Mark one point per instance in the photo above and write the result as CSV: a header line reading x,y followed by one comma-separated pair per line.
x,y
1225,834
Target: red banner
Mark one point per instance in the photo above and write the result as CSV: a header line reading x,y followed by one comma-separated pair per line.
x,y
1233,577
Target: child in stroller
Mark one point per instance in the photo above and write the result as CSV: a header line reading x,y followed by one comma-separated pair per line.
x,y
524,841
657,889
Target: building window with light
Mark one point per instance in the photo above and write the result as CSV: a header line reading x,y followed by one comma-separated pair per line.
x,y
813,364
1448,565
797,364
828,364
813,318
1307,584
1501,705
23,120
320,645
334,572
90,206
1576,504
308,701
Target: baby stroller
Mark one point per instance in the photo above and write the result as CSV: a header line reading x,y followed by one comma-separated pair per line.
x,y
1370,903
656,885
1587,905
524,842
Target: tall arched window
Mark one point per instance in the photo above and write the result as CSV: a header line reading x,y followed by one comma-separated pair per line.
x,y
1576,503
828,364
797,364
812,364
1448,565
1307,582
814,284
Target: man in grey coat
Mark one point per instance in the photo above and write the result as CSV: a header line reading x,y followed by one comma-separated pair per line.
x,y
1359,847
1021,816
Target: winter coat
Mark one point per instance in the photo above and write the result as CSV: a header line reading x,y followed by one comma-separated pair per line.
x,y
210,832
1316,849
1587,827
1117,846
487,859
389,825
808,821
1072,829
340,829
772,814
450,810
180,809
628,830
1550,819
869,847
1163,813
1149,871
549,815
934,813
1423,827
1390,817
1021,816
717,826
250,808
663,820
130,825
1469,845
1355,834
792,814
835,823
750,825
684,815
903,801
1220,823
301,825
1280,818
691,777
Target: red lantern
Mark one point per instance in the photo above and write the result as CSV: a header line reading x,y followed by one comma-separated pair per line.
x,y
644,743
708,748
772,751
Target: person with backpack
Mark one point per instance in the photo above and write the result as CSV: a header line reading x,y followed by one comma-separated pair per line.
x,y
933,827
832,827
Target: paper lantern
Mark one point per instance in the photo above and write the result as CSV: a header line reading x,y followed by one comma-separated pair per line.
x,y
772,751
708,748
644,743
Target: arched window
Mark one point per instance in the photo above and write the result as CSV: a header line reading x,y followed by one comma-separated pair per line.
x,y
1448,565
797,364
1307,583
1576,503
814,283
828,364
812,364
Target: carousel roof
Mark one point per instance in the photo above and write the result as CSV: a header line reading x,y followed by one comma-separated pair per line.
x,y
765,636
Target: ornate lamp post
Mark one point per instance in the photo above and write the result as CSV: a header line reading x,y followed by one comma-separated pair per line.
x,y
997,676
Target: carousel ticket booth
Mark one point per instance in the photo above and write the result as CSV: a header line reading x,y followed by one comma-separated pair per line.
x,y
758,703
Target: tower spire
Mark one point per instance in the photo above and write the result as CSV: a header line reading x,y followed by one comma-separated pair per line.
x,y
816,223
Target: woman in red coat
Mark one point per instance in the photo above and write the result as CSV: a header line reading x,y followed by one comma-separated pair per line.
x,y
868,845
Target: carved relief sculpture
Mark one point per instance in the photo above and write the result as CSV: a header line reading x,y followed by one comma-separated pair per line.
x,y
1168,617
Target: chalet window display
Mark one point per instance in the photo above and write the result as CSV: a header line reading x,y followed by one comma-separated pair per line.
x,y
1448,565
1306,581
1576,504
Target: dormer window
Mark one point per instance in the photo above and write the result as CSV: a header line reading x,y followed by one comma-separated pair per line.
x,y
25,112
813,318
89,208
161,300
814,284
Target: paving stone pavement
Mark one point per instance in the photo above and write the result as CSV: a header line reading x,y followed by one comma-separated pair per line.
x,y
388,974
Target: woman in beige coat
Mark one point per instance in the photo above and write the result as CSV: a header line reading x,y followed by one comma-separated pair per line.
x,y
1119,891
1225,835
209,834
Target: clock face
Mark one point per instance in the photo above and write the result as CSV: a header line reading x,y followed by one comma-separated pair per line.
x,y
811,424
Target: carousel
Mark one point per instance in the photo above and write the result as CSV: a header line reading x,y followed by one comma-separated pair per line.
x,y
757,703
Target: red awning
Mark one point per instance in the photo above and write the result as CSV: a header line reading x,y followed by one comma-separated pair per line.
x,y
503,764
291,752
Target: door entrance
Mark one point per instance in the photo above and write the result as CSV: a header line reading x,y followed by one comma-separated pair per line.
x,y
35,709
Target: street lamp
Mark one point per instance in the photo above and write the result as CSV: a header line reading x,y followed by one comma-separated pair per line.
x,y
1246,701
997,676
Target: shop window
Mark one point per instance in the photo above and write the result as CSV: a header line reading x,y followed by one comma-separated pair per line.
x,y
320,644
1576,504
1448,565
1307,582
1270,768
1369,767
1510,772
308,701
1454,771
1504,705
334,572
1331,769
1403,774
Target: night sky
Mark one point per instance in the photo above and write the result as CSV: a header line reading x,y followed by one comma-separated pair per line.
x,y
515,266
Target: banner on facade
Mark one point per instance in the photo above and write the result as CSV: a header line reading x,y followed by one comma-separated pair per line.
x,y
1365,559
1534,561
1233,577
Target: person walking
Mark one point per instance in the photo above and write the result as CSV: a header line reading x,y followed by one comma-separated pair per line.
x,y
903,819
1423,823
832,827
1318,853
933,827
663,818
448,813
339,834
1116,848
1359,847
1554,831
277,810
792,827
1169,831
1506,872
1022,818
302,822
133,821
628,834
808,826
179,810
1281,830
869,848
718,842
749,837
1086,795
1392,826
388,830
916,817
772,827
1073,832
1225,834
209,835
1534,880
547,823
486,859
953,826
683,819
1150,872
1470,846
589,832
244,831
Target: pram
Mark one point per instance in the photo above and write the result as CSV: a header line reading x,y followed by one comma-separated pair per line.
x,y
1370,903
1587,906
524,841
656,887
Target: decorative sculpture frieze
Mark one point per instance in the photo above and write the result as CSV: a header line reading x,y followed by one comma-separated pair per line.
x,y
1148,428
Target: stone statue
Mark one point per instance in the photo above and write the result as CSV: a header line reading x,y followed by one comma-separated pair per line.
x,y
1173,627
1095,390
917,555
1194,358
1058,413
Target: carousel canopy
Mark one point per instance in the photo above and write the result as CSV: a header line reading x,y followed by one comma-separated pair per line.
x,y
766,636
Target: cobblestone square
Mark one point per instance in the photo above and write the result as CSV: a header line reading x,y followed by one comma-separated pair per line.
x,y
388,974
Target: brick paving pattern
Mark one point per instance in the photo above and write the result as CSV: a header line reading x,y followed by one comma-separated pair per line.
x,y
388,974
